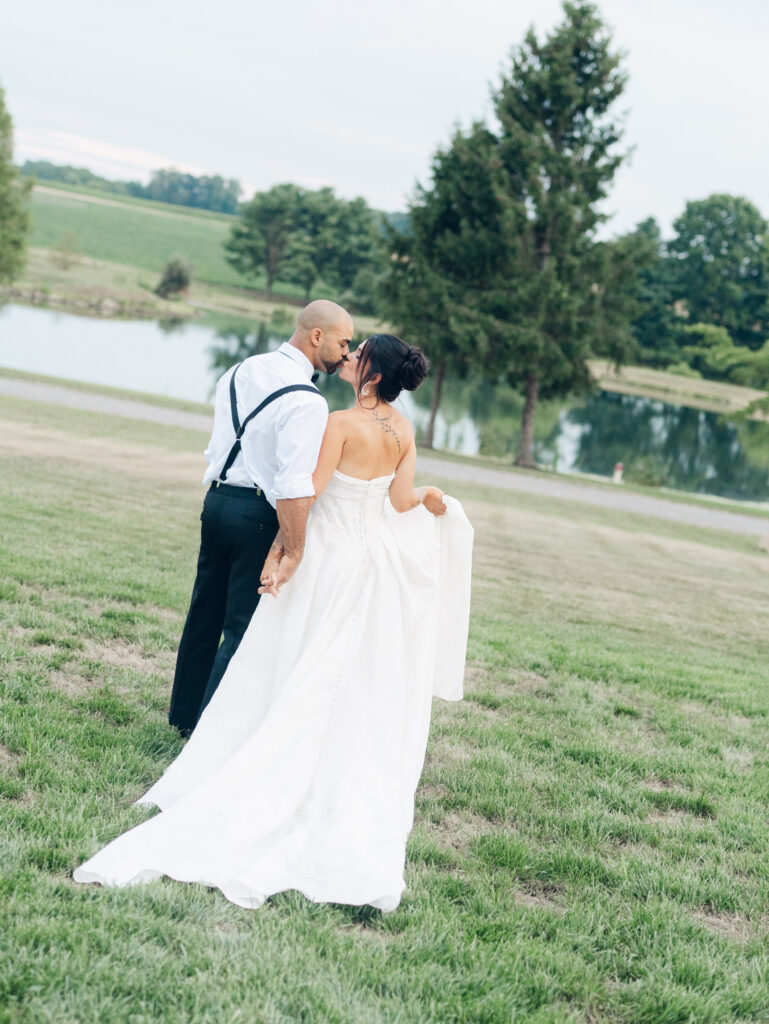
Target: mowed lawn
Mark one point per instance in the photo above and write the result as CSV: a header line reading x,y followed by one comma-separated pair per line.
x,y
591,828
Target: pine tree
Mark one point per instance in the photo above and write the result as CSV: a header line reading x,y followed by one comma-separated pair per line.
x,y
557,154
506,232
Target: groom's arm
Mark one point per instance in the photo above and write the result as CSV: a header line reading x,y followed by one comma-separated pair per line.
x,y
288,547
292,516
297,442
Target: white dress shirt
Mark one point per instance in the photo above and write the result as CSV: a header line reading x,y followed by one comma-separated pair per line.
x,y
280,446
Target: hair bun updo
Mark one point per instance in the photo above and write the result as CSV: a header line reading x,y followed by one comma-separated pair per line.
x,y
393,363
414,369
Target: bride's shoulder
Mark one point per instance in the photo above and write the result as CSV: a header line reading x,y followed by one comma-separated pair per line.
x,y
338,424
339,418
403,422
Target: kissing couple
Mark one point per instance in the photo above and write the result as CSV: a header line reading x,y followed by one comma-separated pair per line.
x,y
308,722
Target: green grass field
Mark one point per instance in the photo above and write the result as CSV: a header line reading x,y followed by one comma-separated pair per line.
x,y
590,839
133,233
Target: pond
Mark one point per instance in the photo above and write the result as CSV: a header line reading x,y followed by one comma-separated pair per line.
x,y
658,444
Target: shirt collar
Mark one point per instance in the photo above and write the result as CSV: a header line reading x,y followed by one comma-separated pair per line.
x,y
299,358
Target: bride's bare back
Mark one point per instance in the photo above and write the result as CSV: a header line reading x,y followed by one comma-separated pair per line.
x,y
367,443
375,440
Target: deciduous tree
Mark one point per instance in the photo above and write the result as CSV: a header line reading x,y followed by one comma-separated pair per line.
x,y
262,239
656,325
720,254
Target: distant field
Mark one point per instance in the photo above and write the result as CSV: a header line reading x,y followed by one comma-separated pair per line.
x,y
97,193
136,232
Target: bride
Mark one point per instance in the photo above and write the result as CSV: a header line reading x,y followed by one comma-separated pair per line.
x,y
302,770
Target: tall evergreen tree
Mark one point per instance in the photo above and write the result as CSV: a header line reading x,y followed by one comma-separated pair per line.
x,y
510,219
14,218
442,262
557,148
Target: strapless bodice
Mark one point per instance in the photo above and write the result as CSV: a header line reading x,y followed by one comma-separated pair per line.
x,y
353,488
353,505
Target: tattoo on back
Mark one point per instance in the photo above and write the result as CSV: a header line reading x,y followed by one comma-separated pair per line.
x,y
384,423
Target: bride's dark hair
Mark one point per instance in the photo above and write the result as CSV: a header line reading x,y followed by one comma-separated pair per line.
x,y
399,365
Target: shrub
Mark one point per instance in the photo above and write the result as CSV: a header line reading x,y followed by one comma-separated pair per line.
x,y
176,278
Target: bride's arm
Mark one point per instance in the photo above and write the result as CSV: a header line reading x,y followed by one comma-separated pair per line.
x,y
330,452
403,494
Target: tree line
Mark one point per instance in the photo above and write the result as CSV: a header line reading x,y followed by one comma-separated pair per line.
x,y
204,192
286,234
306,237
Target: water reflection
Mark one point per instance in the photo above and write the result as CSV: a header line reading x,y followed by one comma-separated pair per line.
x,y
658,443
663,445
234,344
454,427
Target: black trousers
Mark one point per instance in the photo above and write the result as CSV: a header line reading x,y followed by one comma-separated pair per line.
x,y
238,528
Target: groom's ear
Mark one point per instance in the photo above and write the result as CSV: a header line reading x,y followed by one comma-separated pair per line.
x,y
315,336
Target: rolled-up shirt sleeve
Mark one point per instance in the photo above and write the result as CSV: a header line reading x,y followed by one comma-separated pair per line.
x,y
299,433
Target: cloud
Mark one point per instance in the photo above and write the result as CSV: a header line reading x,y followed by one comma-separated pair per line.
x,y
110,159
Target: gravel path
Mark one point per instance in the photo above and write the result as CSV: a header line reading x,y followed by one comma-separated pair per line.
x,y
546,486
54,394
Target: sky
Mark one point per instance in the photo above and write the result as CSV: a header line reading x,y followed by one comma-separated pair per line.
x,y
358,95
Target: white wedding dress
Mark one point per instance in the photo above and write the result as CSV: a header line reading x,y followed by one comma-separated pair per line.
x,y
302,771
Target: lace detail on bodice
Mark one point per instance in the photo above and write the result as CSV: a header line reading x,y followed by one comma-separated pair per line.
x,y
353,505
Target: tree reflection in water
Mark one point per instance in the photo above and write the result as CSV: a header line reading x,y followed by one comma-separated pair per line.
x,y
668,445
237,342
659,444
234,344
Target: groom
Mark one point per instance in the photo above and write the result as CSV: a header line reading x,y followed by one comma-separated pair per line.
x,y
269,421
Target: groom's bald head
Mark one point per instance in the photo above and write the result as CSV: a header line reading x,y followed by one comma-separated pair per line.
x,y
325,314
323,332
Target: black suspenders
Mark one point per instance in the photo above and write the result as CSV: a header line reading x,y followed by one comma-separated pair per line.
x,y
239,427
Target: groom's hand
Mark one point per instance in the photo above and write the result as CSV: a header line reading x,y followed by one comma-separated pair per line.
x,y
269,585
273,581
288,547
272,561
288,566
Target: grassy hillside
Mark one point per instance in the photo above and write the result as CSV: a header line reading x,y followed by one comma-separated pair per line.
x,y
590,835
130,234
135,232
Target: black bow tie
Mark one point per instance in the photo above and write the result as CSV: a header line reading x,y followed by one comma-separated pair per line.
x,y
315,378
